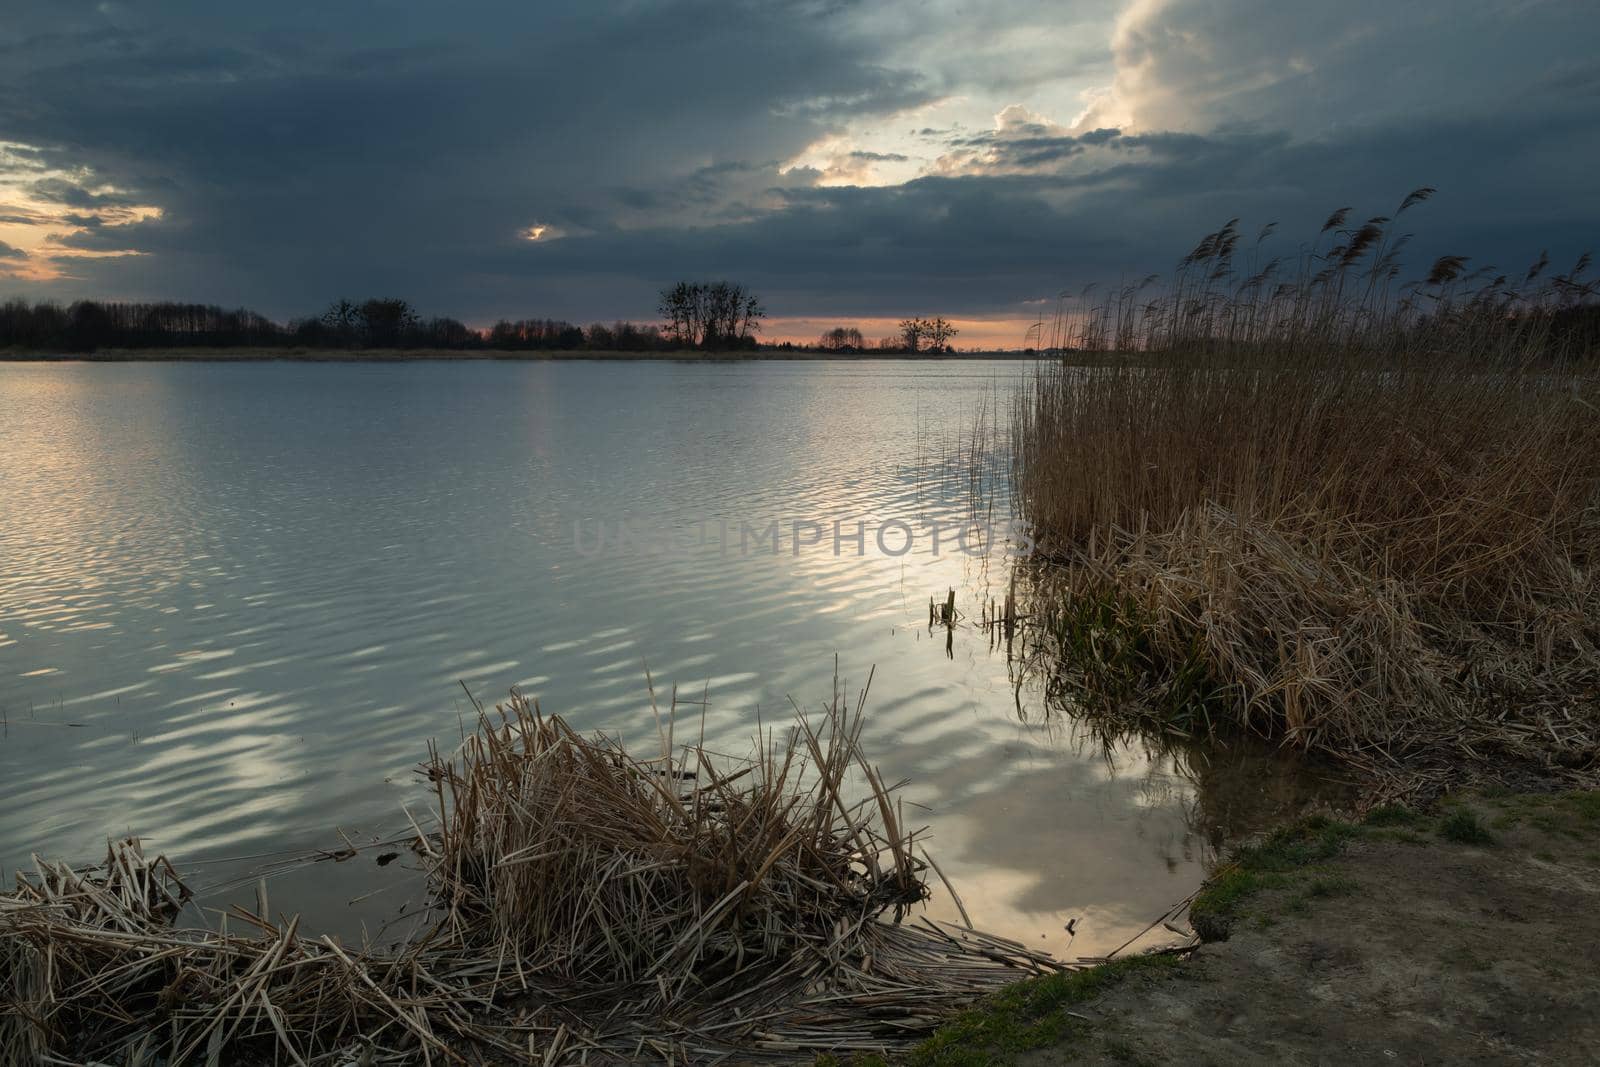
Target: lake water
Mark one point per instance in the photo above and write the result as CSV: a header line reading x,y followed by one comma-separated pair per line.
x,y
237,599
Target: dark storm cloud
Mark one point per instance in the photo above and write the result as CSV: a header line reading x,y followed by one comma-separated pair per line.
x,y
8,252
287,171
973,244
300,152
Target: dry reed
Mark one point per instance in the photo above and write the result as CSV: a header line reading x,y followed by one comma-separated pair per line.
x,y
1315,512
588,905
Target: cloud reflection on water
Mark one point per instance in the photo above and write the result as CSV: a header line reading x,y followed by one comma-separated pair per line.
x,y
259,588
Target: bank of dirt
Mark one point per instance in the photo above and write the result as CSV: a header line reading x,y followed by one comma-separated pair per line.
x,y
1463,935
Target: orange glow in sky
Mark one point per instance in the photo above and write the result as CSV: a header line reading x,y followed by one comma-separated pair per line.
x,y
37,227
983,334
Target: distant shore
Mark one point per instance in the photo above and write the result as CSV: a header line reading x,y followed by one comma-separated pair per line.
x,y
405,355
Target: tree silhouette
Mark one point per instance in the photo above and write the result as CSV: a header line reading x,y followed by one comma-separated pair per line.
x,y
912,332
940,332
711,314
935,332
387,323
842,339
342,320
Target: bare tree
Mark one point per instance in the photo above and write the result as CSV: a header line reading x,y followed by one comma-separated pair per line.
x,y
842,338
939,332
342,319
935,332
912,332
711,314
387,323
679,307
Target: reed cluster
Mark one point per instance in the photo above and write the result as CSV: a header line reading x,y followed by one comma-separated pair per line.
x,y
587,905
1317,511
1342,291
688,868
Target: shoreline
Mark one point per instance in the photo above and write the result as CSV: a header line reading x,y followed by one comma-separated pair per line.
x,y
1303,957
442,355
1298,925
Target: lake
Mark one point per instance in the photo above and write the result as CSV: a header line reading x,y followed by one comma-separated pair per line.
x,y
236,600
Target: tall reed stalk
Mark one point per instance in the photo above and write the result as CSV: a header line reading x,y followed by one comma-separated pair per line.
x,y
1356,516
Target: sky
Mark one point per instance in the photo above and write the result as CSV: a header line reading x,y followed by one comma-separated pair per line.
x,y
853,162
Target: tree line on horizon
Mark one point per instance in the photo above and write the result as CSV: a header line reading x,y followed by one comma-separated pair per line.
x,y
88,325
913,335
704,315
719,316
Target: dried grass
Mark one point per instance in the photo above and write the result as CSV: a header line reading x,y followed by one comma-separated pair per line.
x,y
589,905
1321,516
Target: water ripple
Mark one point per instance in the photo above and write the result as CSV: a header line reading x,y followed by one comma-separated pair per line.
x,y
256,590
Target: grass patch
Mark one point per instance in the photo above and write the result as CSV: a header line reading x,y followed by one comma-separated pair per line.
x,y
1574,814
1110,656
1465,828
1294,857
1331,886
1584,804
1390,815
1028,1015
1269,864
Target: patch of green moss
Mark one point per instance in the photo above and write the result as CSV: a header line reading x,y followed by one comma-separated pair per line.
x,y
1030,1014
